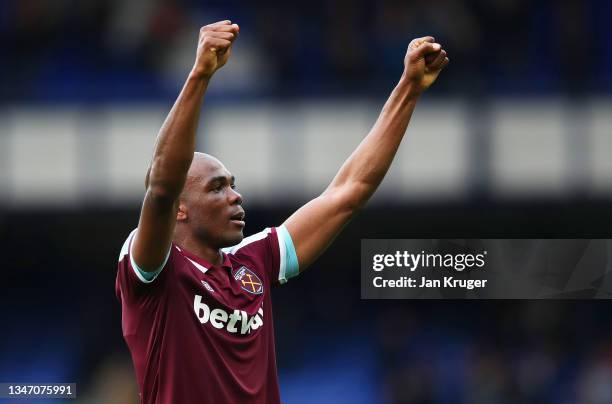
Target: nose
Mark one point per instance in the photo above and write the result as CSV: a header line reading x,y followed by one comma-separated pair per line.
x,y
234,197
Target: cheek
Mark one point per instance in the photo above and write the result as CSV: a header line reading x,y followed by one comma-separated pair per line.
x,y
202,208
212,208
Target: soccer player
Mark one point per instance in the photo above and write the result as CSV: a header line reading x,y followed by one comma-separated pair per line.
x,y
195,295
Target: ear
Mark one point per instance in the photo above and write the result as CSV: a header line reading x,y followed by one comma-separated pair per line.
x,y
181,214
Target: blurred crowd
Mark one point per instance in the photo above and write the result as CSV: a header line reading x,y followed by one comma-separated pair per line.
x,y
524,352
100,49
427,353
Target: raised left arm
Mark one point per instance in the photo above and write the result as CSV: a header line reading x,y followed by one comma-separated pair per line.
x,y
314,226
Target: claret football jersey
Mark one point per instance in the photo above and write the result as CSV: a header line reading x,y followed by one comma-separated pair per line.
x,y
202,333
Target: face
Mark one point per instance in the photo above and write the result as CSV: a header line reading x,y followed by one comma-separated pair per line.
x,y
210,204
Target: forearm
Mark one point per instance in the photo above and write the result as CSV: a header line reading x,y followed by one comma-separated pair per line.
x,y
366,167
175,142
314,225
174,149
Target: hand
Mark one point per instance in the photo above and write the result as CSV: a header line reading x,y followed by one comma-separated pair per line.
x,y
424,61
214,47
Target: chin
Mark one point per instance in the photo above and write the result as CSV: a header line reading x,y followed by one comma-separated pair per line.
x,y
233,239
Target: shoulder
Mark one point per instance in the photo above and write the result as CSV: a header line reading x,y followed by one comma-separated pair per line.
x,y
274,246
132,270
125,248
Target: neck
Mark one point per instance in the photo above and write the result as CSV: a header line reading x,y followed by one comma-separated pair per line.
x,y
200,249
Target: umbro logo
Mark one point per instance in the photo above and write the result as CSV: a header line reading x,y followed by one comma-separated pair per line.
x,y
208,287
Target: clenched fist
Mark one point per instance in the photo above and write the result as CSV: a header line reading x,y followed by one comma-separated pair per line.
x,y
214,47
424,61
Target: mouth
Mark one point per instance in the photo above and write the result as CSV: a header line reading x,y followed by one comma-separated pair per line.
x,y
238,218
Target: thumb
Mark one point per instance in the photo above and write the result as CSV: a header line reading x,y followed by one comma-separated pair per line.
x,y
424,49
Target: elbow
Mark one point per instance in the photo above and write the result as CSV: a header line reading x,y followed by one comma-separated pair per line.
x,y
164,189
351,198
162,195
163,183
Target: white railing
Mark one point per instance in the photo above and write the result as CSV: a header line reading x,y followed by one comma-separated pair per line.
x,y
290,151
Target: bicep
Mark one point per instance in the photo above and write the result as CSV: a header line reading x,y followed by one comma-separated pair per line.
x,y
315,225
153,238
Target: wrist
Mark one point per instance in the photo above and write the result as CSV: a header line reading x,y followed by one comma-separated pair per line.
x,y
408,88
199,74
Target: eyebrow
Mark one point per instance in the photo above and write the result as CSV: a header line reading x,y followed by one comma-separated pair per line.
x,y
222,179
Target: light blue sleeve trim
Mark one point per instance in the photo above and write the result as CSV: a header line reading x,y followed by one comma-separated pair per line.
x,y
289,262
148,276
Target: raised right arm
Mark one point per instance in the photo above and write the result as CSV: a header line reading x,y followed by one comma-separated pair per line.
x,y
174,150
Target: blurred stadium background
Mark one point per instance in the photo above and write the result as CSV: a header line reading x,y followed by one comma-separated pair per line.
x,y
514,140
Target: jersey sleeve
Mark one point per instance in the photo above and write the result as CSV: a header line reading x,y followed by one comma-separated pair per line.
x,y
131,279
288,265
274,249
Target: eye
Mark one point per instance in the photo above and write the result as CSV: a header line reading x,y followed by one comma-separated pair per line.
x,y
233,186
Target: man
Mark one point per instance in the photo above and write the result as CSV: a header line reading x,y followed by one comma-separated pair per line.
x,y
197,312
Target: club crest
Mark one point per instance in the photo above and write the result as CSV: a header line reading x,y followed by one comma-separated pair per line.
x,y
249,281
